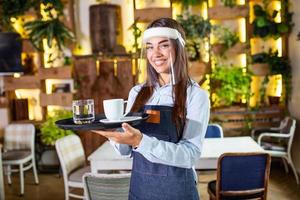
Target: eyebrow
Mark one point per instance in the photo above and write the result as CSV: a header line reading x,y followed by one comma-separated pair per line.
x,y
149,43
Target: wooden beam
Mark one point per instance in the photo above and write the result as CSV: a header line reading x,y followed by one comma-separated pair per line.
x,y
27,46
224,13
238,48
57,99
150,14
24,82
55,73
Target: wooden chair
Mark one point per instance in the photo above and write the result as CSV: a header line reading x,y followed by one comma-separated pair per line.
x,y
19,151
241,176
282,128
278,150
113,186
72,160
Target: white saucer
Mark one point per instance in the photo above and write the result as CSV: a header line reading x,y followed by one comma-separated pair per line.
x,y
124,119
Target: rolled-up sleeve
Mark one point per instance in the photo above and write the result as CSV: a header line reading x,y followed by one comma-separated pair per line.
x,y
125,149
188,150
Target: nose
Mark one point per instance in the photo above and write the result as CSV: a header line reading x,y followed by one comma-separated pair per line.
x,y
157,51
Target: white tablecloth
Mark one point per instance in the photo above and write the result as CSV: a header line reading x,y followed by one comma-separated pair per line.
x,y
106,158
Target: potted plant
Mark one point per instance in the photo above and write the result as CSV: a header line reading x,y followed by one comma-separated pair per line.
x,y
49,27
197,32
224,39
260,65
46,154
264,24
272,64
229,84
50,132
229,3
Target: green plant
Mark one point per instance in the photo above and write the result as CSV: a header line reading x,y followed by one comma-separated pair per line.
x,y
50,132
277,65
137,33
12,9
264,24
225,36
229,3
197,31
187,3
230,84
51,28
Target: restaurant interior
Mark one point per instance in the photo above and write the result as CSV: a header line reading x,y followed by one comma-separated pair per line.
x,y
243,53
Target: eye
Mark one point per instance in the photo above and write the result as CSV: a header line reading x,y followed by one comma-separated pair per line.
x,y
149,47
164,46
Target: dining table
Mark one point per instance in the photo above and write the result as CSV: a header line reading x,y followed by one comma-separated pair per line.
x,y
106,157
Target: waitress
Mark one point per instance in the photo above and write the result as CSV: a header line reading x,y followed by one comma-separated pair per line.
x,y
166,147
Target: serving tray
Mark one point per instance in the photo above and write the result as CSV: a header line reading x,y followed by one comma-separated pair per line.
x,y
97,125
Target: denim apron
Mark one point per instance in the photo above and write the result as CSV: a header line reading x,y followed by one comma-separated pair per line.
x,y
154,181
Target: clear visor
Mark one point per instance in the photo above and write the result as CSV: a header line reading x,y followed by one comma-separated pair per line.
x,y
157,63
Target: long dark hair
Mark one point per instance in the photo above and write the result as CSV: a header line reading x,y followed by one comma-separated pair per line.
x,y
181,76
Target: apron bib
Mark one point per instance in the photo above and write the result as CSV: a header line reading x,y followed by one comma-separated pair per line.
x,y
154,181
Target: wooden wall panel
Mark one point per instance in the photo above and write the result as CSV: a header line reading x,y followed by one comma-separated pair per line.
x,y
57,99
55,73
23,82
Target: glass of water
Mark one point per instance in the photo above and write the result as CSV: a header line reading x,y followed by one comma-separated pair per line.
x,y
83,111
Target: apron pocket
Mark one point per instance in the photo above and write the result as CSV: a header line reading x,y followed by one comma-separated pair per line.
x,y
144,166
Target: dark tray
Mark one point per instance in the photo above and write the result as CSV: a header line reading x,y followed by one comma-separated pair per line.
x,y
97,125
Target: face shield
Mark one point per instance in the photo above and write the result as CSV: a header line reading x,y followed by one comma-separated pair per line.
x,y
158,61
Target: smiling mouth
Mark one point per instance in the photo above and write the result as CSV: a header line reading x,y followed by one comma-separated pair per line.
x,y
159,62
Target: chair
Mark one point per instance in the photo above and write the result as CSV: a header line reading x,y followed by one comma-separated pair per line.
x,y
19,151
241,176
282,128
214,131
106,186
277,150
72,160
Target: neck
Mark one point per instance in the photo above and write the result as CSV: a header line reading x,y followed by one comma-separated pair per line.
x,y
163,79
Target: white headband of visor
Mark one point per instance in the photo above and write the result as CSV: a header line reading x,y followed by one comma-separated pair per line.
x,y
163,32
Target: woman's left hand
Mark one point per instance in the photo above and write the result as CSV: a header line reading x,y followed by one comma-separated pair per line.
x,y
130,136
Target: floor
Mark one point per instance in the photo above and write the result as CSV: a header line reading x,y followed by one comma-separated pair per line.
x,y
282,186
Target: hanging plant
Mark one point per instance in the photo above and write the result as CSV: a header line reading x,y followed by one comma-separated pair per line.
x,y
264,24
197,31
224,39
48,29
51,28
137,33
12,9
229,3
230,84
277,65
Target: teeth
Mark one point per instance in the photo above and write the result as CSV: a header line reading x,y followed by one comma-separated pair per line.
x,y
159,62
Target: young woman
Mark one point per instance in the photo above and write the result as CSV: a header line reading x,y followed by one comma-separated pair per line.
x,y
166,146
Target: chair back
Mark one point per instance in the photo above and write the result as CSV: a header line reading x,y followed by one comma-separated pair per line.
x,y
106,186
214,131
285,125
19,137
243,173
291,127
70,153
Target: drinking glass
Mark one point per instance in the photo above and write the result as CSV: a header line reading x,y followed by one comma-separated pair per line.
x,y
83,111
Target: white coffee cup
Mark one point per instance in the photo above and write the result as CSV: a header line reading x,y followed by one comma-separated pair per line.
x,y
114,109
